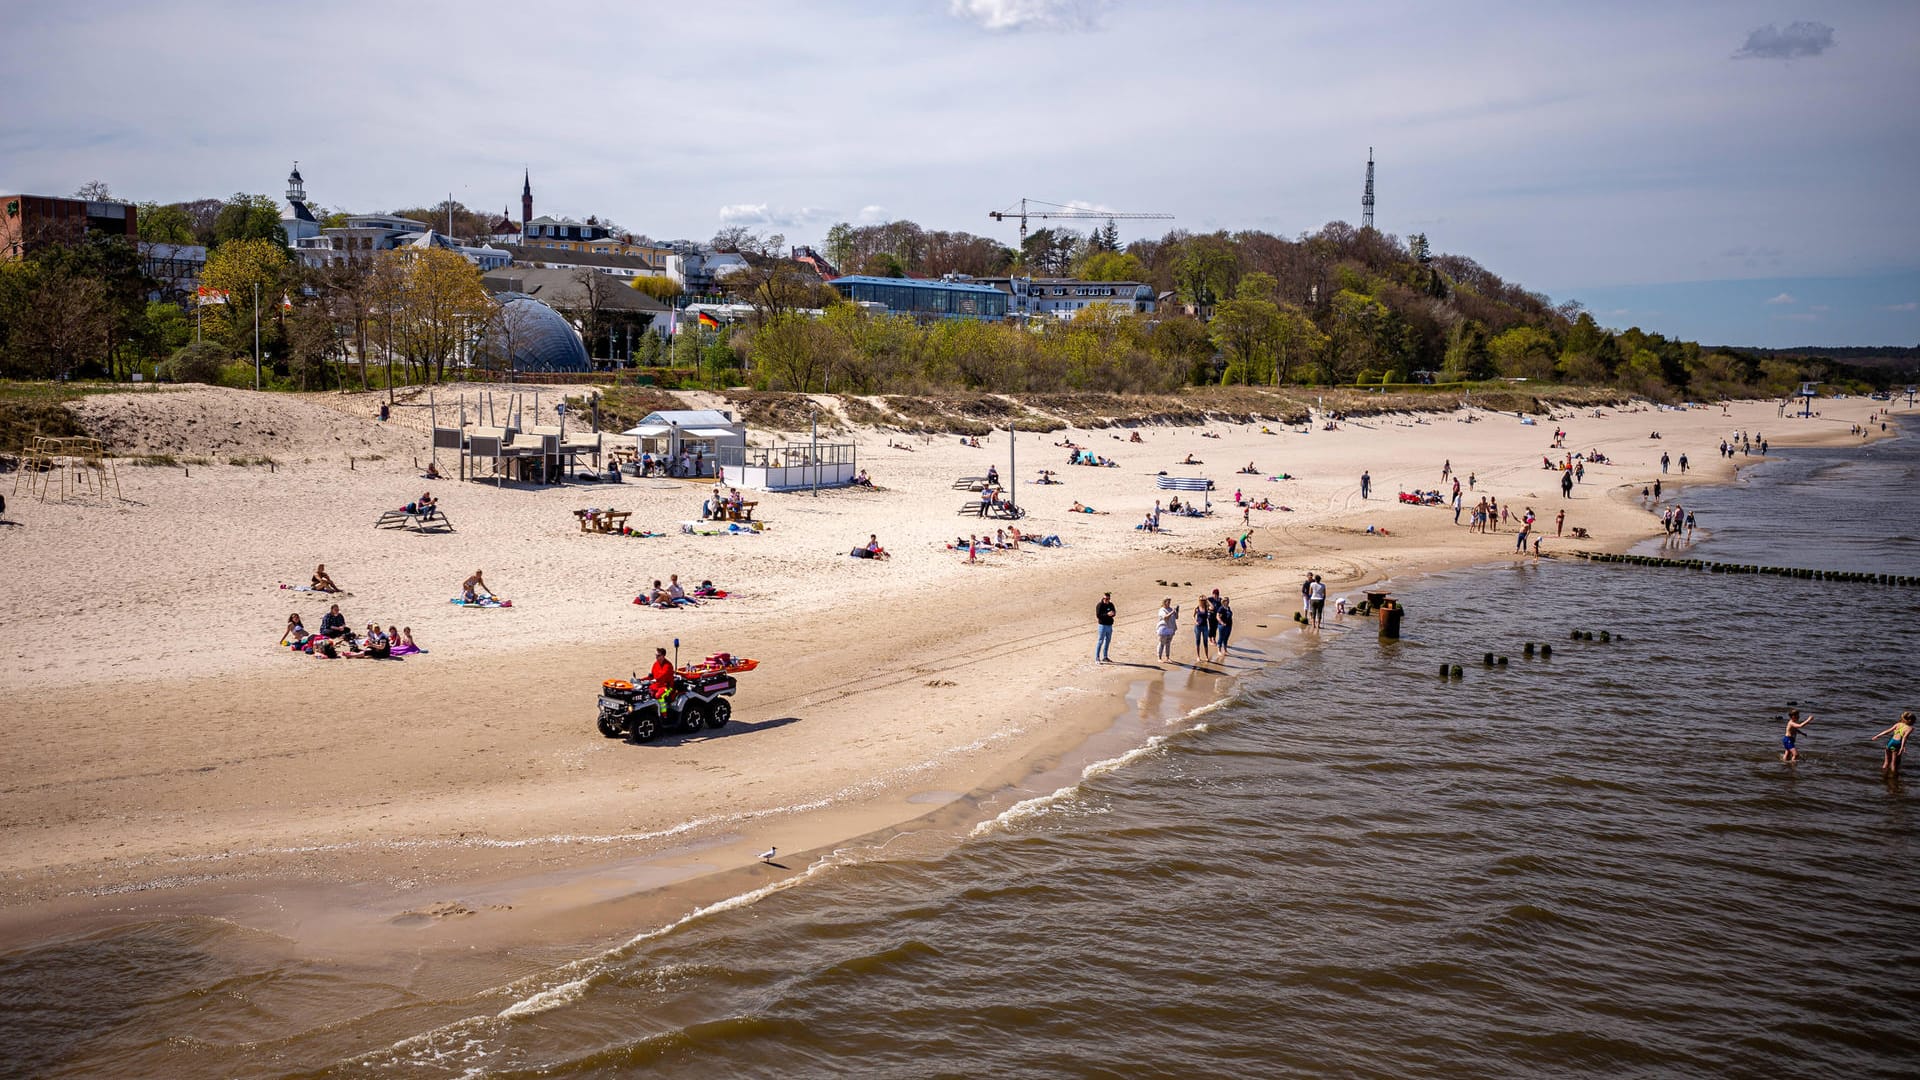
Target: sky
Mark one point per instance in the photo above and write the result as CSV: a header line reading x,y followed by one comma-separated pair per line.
x,y
1735,173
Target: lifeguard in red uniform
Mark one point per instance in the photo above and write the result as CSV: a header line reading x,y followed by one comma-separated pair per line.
x,y
660,676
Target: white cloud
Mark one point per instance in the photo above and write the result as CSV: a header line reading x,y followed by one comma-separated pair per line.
x,y
1031,14
744,214
1783,298
768,215
1911,305
873,215
1798,39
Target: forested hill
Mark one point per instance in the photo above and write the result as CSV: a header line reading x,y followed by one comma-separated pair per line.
x,y
1347,305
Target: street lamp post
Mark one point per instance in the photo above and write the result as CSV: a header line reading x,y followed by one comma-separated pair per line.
x,y
256,335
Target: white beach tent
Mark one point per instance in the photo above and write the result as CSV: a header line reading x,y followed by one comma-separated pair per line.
x,y
706,431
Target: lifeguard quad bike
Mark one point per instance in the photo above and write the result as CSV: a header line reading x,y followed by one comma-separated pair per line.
x,y
699,699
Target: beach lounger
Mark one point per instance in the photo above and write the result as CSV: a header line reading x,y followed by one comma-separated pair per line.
x,y
394,519
975,508
970,483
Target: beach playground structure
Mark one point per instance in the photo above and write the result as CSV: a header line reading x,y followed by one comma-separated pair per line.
x,y
68,467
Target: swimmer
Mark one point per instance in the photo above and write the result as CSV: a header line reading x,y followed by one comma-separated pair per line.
x,y
1788,750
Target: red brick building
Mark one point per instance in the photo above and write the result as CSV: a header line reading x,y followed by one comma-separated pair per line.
x,y
29,221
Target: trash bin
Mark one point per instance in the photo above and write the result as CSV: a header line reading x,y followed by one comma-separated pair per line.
x,y
1390,615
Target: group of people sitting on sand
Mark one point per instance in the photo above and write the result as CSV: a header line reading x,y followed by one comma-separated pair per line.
x,y
673,595
1088,457
1416,497
725,502
335,640
871,549
970,440
861,479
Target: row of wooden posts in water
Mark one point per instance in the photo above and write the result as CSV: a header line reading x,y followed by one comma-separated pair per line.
x,y
1856,576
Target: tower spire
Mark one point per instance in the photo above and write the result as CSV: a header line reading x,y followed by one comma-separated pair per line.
x,y
526,201
1366,200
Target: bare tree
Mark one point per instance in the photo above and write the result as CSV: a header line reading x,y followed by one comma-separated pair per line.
x,y
94,191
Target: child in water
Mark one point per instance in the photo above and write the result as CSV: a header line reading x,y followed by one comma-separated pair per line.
x,y
1788,750
1896,743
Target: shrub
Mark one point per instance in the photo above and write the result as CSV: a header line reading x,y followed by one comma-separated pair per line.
x,y
200,362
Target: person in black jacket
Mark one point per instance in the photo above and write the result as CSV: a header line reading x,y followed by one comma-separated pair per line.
x,y
1103,615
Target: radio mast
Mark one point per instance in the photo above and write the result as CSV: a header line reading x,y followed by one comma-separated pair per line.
x,y
1366,200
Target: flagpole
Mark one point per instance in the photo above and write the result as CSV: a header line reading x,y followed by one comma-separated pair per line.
x,y
256,335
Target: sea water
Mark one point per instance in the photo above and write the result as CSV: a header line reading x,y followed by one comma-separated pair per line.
x,y
1590,864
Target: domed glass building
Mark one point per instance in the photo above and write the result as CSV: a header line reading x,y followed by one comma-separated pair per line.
x,y
527,335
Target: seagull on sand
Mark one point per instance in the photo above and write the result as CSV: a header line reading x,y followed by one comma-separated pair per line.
x,y
767,855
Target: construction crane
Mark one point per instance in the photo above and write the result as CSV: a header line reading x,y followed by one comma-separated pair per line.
x,y
1069,213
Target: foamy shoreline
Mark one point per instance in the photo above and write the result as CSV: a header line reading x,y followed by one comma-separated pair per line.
x,y
258,776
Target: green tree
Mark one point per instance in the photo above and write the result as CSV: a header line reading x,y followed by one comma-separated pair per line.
x,y
1246,331
1358,323
249,272
1111,266
249,217
1295,338
165,224
1467,354
1524,352
441,305
839,247
1205,271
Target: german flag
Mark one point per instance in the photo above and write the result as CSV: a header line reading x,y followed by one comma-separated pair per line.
x,y
707,319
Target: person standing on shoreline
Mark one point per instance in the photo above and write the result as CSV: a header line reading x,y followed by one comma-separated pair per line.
x,y
1559,522
1456,502
1896,743
1223,623
1316,600
1169,621
1203,626
1103,616
1789,750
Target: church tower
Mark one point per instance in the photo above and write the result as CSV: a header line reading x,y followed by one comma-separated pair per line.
x,y
526,202
296,187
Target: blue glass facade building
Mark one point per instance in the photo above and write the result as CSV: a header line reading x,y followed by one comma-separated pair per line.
x,y
926,299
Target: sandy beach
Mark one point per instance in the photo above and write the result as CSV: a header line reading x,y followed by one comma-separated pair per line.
x,y
162,754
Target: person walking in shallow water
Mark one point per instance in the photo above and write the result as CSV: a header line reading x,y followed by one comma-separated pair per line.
x,y
1896,737
1789,740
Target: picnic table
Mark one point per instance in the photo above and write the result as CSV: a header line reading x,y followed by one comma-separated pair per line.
x,y
729,512
603,521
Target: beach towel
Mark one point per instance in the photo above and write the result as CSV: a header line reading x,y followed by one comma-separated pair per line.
x,y
407,650
309,588
483,602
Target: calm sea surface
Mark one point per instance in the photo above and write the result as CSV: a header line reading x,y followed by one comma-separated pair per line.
x,y
1593,865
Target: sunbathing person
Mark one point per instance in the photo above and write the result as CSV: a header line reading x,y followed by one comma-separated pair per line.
x,y
472,589
296,633
1135,437
322,582
1190,461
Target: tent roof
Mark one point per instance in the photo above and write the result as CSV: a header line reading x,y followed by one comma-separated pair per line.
x,y
648,429
691,418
